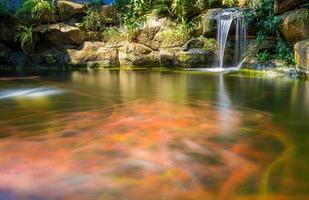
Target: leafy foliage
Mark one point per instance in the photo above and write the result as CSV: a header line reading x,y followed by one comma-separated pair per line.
x,y
92,21
25,36
303,15
268,25
181,34
38,9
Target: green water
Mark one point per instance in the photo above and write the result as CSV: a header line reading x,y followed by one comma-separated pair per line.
x,y
150,134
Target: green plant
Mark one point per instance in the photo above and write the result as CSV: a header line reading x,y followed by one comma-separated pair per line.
x,y
43,8
283,52
38,9
112,35
161,8
50,59
263,57
302,15
25,36
181,8
92,21
268,25
140,6
176,35
210,44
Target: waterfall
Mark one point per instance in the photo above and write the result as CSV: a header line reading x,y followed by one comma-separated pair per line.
x,y
240,39
224,22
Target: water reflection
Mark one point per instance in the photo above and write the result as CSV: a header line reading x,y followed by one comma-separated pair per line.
x,y
29,92
155,135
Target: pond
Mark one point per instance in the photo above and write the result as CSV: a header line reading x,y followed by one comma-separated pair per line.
x,y
153,135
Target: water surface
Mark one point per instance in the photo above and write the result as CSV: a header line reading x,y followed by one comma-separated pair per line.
x,y
153,135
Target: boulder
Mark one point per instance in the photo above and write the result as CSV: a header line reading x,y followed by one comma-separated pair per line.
x,y
187,59
282,6
150,34
294,27
93,54
209,22
195,58
301,52
51,55
133,54
61,34
5,55
248,3
8,26
68,8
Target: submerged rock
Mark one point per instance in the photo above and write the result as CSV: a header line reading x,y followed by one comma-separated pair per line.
x,y
301,51
295,27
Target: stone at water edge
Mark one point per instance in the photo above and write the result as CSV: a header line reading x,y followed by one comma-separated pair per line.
x,y
282,6
93,54
293,29
301,51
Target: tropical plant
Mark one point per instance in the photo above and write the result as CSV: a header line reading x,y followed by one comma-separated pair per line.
x,y
268,25
43,8
92,21
182,8
111,34
161,8
263,57
176,35
303,15
25,36
38,9
140,6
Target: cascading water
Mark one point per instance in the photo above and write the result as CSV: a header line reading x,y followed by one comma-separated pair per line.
x,y
224,22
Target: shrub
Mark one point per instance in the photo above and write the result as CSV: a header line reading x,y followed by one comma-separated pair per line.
x,y
263,57
38,9
92,21
113,35
176,35
25,36
268,25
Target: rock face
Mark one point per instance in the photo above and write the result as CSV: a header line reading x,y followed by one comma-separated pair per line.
x,y
126,54
8,26
68,8
282,6
295,28
209,22
93,54
133,54
61,34
5,54
301,51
